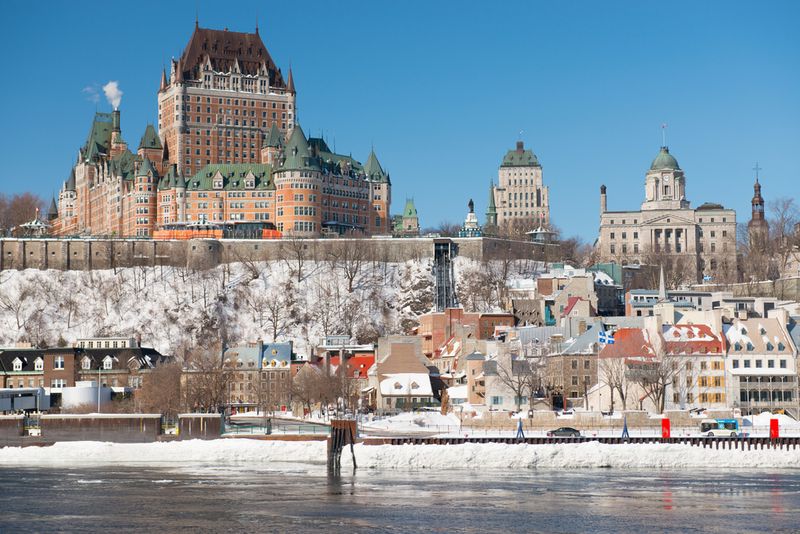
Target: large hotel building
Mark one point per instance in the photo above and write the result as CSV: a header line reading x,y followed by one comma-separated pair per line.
x,y
228,151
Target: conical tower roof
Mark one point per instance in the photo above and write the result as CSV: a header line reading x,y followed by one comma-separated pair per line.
x,y
145,168
52,212
274,137
297,153
373,169
70,186
150,138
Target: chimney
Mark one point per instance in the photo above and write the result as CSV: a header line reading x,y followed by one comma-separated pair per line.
x,y
603,199
520,146
115,120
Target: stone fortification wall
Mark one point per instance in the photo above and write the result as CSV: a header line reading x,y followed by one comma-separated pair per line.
x,y
91,254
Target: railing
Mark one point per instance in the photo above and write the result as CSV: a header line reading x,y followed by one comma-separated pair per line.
x,y
275,428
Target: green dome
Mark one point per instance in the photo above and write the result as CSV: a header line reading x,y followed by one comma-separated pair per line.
x,y
664,160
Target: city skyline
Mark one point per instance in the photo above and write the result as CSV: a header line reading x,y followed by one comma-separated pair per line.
x,y
723,81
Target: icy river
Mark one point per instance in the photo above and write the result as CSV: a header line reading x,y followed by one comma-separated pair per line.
x,y
303,498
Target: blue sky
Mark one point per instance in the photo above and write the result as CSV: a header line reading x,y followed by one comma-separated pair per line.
x,y
442,90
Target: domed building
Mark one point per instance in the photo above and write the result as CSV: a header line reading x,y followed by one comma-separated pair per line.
x,y
667,229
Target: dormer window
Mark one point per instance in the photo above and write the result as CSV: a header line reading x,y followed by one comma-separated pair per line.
x,y
17,363
397,385
217,184
38,364
737,346
86,363
108,363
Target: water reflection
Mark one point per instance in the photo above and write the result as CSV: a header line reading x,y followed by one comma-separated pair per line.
x,y
306,499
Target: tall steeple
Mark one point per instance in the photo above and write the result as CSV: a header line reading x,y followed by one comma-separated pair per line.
x,y
758,227
163,86
662,288
491,210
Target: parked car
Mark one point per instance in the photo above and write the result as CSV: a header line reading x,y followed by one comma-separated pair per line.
x,y
564,432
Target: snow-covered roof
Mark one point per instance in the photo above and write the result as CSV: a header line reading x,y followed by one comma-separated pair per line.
x,y
457,392
401,384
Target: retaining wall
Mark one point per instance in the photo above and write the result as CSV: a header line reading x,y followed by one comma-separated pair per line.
x,y
89,254
199,426
119,428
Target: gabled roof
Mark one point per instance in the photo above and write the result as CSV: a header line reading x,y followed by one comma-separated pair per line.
x,y
146,168
141,357
226,51
150,139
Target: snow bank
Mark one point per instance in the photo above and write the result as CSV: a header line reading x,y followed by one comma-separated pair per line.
x,y
582,455
259,454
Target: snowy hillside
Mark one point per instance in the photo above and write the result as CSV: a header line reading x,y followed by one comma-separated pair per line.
x,y
175,310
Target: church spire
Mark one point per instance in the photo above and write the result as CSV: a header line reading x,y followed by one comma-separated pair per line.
x,y
163,80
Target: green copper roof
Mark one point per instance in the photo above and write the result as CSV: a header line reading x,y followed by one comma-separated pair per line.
x,y
233,176
170,178
664,161
410,210
274,138
297,153
492,207
99,139
123,165
519,157
150,138
373,169
146,168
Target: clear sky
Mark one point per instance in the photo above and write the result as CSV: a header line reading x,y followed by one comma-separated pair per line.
x,y
442,90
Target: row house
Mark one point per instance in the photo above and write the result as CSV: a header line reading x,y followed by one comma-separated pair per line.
x,y
260,377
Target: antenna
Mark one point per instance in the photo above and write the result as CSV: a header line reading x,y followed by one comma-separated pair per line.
x,y
664,134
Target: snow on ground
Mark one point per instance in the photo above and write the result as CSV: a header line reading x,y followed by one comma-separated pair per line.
x,y
175,309
260,454
762,420
414,421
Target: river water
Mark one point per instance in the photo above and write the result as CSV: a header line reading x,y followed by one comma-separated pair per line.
x,y
302,498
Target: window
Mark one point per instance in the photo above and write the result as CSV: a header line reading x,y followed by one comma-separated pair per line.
x,y
17,364
783,364
586,364
58,383
59,362
39,364
496,401
108,363
574,364
735,364
574,380
747,364
86,363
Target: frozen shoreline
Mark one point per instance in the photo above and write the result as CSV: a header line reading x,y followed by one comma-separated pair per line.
x,y
266,455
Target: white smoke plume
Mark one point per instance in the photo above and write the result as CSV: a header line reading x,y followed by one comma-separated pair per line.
x,y
113,93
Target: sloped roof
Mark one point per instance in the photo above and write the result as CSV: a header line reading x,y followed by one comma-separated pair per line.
x,y
520,157
150,138
274,138
99,139
692,339
224,50
233,175
629,343
297,154
373,169
756,336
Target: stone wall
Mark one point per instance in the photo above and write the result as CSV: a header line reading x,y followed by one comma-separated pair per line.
x,y
90,254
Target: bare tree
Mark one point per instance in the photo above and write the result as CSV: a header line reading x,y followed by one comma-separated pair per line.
x,y
305,386
613,374
161,390
654,376
349,257
296,252
19,209
207,380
